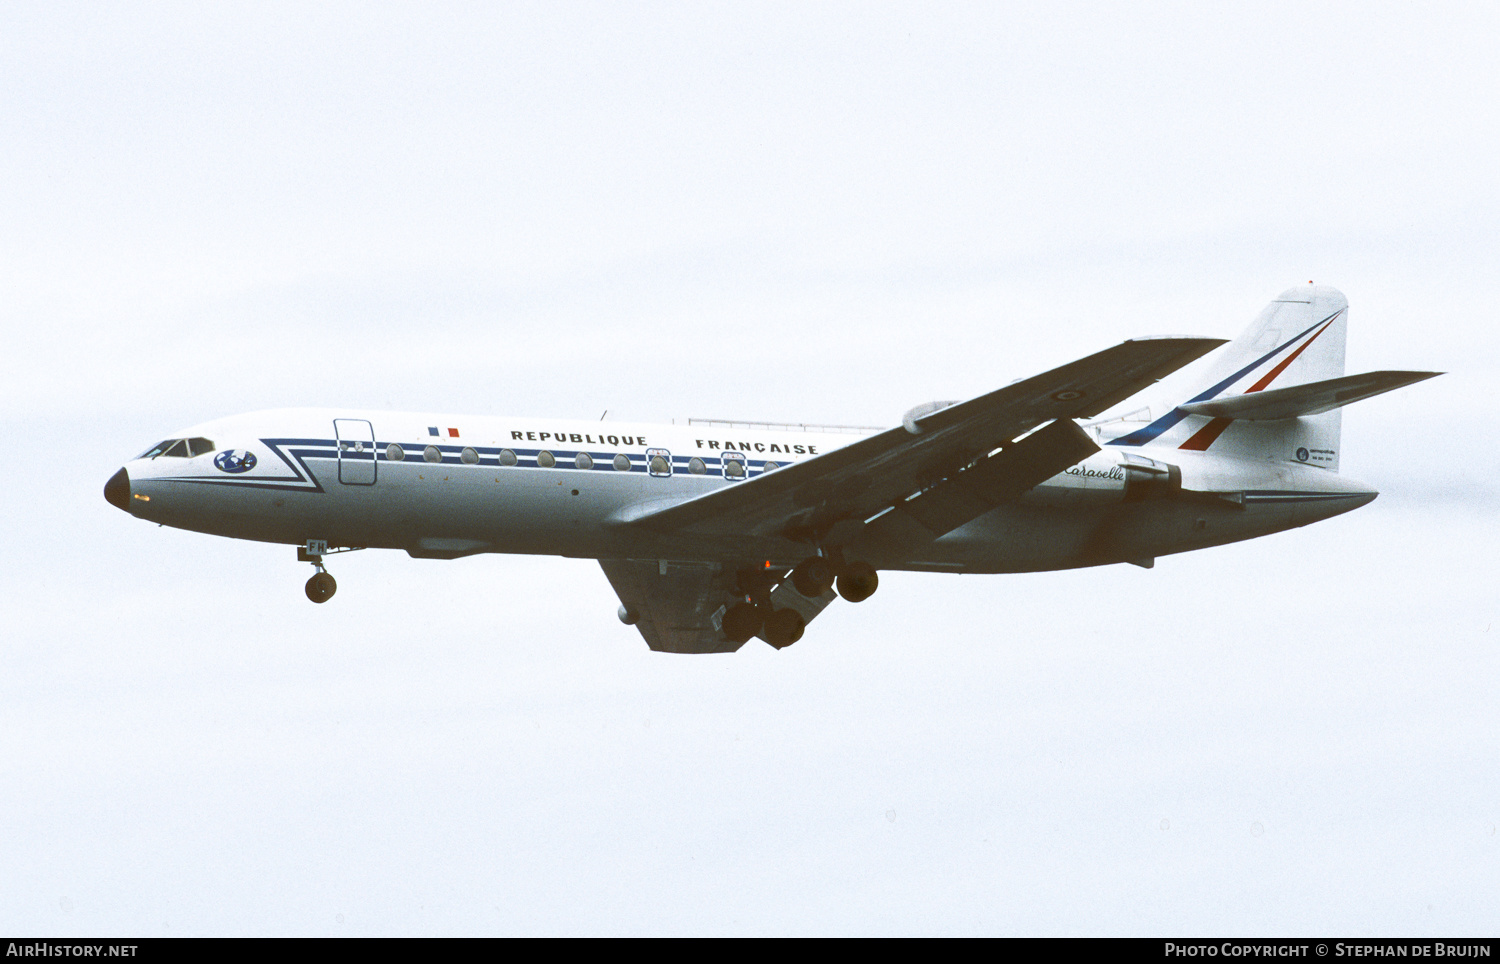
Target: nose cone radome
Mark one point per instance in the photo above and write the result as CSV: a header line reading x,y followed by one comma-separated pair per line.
x,y
117,490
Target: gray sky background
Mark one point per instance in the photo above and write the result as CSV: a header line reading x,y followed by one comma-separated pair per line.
x,y
809,212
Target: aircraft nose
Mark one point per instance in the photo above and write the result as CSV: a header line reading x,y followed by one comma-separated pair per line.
x,y
117,490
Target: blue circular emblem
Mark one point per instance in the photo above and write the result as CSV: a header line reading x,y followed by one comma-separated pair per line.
x,y
1302,455
235,461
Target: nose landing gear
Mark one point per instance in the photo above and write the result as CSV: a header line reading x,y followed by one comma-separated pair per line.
x,y
321,587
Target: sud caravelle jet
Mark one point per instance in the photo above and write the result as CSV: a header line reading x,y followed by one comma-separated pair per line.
x,y
714,532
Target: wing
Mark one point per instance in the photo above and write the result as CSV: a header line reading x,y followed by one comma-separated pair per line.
x,y
677,606
935,446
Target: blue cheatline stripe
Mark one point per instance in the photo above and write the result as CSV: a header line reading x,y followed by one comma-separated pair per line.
x,y
293,453
490,455
1143,435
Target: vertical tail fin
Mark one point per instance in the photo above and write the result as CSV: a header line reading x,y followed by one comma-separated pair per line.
x,y
1297,339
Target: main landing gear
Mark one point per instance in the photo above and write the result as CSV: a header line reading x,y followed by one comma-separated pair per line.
x,y
782,627
857,581
754,613
813,578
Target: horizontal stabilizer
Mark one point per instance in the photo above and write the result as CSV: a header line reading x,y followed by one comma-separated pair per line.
x,y
1314,398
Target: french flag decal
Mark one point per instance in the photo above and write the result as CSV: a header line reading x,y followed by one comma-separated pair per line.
x,y
433,430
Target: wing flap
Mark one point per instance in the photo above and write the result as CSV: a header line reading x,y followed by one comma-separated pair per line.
x,y
1314,398
1000,478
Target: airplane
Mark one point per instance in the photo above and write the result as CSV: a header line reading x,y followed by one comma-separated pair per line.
x,y
714,532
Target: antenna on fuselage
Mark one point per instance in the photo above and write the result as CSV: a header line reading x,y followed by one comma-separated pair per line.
x,y
601,417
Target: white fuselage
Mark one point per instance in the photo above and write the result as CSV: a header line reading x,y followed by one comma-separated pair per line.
x,y
526,485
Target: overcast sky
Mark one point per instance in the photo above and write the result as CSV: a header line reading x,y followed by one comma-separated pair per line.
x,y
802,212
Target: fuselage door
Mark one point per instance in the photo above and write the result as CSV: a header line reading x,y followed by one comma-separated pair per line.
x,y
356,444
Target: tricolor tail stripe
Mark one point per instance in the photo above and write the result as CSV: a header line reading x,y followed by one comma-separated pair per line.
x,y
1207,435
1271,375
1210,433
1143,435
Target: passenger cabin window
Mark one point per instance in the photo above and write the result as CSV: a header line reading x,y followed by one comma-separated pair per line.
x,y
431,454
545,459
394,453
696,466
583,461
734,465
622,462
507,457
468,456
659,462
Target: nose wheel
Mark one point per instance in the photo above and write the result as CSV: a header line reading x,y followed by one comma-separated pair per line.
x,y
321,587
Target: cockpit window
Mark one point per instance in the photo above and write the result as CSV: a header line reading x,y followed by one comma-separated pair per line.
x,y
178,448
